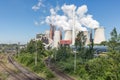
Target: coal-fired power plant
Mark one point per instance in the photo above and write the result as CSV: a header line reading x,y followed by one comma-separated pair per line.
x,y
99,35
54,37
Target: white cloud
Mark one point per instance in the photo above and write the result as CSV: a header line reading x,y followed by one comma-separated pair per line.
x,y
36,23
65,21
38,5
57,8
39,23
52,11
42,22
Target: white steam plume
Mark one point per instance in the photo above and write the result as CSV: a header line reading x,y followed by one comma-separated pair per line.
x,y
65,21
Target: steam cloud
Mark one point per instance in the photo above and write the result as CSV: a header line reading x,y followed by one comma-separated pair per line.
x,y
65,21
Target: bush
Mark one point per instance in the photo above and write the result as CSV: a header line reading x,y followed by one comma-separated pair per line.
x,y
27,59
49,74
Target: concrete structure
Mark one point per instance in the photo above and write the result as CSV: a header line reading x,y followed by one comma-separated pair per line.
x,y
52,29
56,39
73,28
91,36
68,35
99,35
60,34
42,37
86,33
47,33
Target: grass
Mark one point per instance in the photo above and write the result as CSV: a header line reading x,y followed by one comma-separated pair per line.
x,y
27,60
3,76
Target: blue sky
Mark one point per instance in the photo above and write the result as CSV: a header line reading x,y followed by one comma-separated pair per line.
x,y
17,17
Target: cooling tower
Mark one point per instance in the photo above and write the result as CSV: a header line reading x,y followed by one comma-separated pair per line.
x,y
56,38
86,33
99,35
68,35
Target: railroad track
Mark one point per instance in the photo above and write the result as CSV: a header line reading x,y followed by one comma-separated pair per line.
x,y
63,75
28,75
10,71
58,72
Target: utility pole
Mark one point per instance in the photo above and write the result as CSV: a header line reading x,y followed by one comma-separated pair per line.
x,y
55,55
36,53
73,29
73,40
75,61
91,42
18,47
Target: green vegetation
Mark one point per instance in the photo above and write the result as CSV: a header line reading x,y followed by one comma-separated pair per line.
x,y
27,58
3,76
87,67
114,42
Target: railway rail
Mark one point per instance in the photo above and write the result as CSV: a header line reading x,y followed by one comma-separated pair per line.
x,y
10,71
62,75
24,74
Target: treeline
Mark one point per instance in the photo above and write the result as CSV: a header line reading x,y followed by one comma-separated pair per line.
x,y
86,66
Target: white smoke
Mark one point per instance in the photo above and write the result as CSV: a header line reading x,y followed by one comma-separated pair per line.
x,y
65,21
81,11
68,10
89,22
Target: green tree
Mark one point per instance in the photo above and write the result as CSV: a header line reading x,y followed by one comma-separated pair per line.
x,y
119,39
103,43
31,47
114,42
84,53
40,48
80,40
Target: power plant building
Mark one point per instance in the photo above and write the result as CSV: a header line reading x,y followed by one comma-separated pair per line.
x,y
53,37
56,38
68,35
47,33
99,35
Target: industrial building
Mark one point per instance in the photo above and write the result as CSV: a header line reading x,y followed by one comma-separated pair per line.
x,y
99,35
54,37
43,38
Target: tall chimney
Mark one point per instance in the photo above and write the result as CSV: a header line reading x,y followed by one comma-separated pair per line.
x,y
91,39
52,29
73,29
59,29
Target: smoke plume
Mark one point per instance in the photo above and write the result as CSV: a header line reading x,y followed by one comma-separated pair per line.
x,y
72,16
